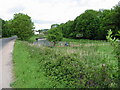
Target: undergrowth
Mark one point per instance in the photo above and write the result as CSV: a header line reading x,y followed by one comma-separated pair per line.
x,y
64,67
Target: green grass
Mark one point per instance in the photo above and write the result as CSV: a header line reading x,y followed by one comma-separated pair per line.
x,y
64,67
83,41
28,72
33,38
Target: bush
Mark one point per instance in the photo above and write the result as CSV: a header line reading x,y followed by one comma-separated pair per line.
x,y
116,44
66,67
54,35
77,70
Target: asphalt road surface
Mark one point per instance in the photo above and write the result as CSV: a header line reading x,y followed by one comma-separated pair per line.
x,y
6,40
6,48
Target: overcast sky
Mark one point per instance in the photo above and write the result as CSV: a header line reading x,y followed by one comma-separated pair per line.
x,y
47,12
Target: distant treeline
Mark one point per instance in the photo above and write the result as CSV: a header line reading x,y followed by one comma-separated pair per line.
x,y
92,24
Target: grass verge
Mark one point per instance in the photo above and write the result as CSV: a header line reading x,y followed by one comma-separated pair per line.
x,y
64,67
28,72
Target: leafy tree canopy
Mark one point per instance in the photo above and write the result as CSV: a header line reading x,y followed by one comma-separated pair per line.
x,y
54,35
23,26
54,25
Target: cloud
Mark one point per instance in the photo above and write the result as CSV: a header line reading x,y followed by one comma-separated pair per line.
x,y
44,22
47,12
42,26
16,9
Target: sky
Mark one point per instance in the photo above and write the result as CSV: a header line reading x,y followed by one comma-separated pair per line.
x,y
44,13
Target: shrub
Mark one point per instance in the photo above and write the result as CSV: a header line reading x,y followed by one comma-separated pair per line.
x,y
54,35
116,44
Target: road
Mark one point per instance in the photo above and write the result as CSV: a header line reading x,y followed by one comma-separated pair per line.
x,y
6,48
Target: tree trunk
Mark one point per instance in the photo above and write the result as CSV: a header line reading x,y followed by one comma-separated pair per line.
x,y
54,43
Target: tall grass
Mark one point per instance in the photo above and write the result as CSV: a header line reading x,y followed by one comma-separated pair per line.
x,y
83,41
64,67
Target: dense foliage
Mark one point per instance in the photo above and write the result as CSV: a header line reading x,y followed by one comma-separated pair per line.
x,y
54,35
93,24
7,29
54,25
66,67
0,26
21,25
67,29
91,65
116,44
87,24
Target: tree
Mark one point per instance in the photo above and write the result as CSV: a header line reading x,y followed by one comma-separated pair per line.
x,y
68,29
7,30
106,23
92,24
116,18
39,31
0,27
23,26
87,24
54,35
54,25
